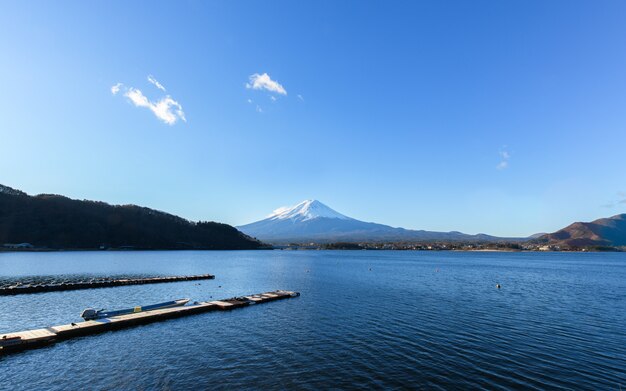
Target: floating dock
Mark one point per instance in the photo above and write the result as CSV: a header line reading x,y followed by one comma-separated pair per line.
x,y
71,286
13,342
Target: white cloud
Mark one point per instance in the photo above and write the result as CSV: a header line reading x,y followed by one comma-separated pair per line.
x,y
166,109
273,98
265,82
300,97
259,109
504,162
116,88
249,100
137,97
154,81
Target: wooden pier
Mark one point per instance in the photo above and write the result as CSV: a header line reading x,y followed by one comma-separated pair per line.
x,y
13,342
71,286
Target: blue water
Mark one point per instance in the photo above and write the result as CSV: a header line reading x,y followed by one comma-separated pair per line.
x,y
375,319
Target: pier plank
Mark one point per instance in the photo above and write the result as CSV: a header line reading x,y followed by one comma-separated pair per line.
x,y
13,342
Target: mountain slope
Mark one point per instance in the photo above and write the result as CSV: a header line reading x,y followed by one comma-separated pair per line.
x,y
306,210
59,222
602,232
312,221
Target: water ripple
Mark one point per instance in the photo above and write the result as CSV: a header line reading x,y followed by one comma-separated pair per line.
x,y
416,320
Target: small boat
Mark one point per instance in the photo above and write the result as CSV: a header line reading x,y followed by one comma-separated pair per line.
x,y
91,313
290,293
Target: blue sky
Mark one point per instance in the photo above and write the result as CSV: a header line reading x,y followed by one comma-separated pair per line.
x,y
500,117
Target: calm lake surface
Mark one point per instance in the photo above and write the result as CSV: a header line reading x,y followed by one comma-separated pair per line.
x,y
375,319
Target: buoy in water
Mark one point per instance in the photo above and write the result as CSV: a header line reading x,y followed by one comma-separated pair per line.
x,y
498,286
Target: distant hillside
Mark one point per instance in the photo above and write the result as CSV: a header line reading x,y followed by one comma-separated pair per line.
x,y
602,232
312,221
59,222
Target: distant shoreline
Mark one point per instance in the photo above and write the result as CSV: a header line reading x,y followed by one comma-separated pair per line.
x,y
53,250
308,248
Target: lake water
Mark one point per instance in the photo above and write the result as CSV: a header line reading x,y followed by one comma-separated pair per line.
x,y
368,319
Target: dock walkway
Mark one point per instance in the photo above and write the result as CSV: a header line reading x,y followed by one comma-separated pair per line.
x,y
70,286
13,342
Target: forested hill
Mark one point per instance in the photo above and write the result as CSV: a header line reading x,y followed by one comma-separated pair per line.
x,y
58,222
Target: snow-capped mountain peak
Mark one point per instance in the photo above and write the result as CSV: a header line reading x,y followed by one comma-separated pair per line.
x,y
312,221
306,210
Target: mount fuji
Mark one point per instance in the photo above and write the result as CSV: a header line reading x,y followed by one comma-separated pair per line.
x,y
312,221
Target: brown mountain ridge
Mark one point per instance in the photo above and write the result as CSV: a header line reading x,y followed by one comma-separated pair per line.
x,y
609,231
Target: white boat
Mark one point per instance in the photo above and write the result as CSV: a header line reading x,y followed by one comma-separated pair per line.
x,y
91,313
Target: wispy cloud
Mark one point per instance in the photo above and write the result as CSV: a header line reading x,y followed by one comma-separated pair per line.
x,y
273,98
300,97
504,160
502,165
116,88
154,81
165,109
265,82
621,200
